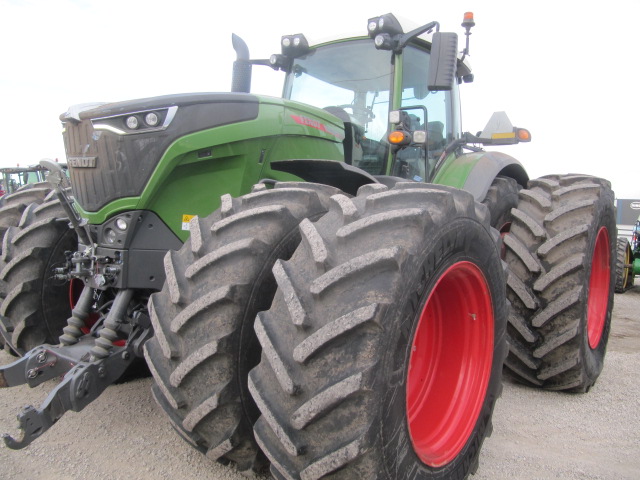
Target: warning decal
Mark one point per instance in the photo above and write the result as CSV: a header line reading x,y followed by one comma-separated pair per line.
x,y
185,221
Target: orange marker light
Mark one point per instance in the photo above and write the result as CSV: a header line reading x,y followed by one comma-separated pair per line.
x,y
524,135
397,137
468,16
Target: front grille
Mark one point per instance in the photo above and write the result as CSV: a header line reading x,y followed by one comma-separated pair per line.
x,y
122,164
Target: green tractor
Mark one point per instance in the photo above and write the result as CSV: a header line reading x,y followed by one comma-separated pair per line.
x,y
628,260
15,178
319,283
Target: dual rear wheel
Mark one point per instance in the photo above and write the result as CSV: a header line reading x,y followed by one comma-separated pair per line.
x,y
378,346
386,327
561,256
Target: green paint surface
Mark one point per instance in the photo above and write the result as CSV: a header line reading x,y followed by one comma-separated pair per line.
x,y
456,169
198,168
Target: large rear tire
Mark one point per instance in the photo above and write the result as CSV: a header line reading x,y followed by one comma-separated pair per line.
x,y
561,257
501,197
204,343
382,352
34,309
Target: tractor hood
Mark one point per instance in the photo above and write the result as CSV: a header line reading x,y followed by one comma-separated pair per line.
x,y
113,148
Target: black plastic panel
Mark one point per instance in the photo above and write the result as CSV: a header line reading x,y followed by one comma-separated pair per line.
x,y
138,252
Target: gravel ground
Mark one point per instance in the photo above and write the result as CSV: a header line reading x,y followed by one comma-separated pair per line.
x,y
537,435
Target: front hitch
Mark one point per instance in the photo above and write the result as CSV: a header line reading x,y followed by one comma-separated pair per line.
x,y
44,363
89,366
80,386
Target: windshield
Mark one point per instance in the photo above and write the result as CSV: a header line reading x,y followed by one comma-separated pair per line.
x,y
352,81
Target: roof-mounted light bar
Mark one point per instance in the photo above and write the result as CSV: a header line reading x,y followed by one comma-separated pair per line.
x,y
387,32
294,45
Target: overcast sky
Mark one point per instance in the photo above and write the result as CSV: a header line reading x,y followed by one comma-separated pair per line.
x,y
564,69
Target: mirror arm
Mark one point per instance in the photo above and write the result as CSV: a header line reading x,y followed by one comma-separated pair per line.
x,y
406,38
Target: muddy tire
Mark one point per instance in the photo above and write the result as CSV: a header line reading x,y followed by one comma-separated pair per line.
x,y
561,257
12,205
349,319
34,308
624,273
501,197
204,343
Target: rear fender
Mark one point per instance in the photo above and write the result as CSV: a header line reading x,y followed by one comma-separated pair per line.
x,y
474,172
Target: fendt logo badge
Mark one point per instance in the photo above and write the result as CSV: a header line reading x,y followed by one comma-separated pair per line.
x,y
635,205
82,162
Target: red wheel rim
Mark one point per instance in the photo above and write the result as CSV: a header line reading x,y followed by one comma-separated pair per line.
x,y
598,288
450,364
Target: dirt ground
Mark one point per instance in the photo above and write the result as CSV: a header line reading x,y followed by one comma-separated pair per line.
x,y
537,435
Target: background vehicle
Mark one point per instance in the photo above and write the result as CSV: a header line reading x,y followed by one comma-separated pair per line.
x,y
17,177
628,260
314,326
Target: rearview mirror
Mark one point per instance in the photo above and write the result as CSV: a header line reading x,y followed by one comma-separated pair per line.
x,y
442,64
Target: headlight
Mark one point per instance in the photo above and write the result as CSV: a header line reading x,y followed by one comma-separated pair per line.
x,y
110,235
152,119
132,122
122,224
137,122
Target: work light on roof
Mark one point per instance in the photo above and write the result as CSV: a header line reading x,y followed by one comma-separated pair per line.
x,y
294,45
383,41
384,24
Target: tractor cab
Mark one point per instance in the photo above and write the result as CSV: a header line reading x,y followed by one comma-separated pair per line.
x,y
361,85
396,91
397,120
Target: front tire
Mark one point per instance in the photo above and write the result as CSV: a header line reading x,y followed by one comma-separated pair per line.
x,y
395,363
204,344
561,254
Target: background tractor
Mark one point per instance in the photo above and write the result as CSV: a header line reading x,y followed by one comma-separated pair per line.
x,y
628,260
15,178
318,282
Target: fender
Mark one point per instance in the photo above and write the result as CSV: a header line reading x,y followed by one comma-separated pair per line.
x,y
474,172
